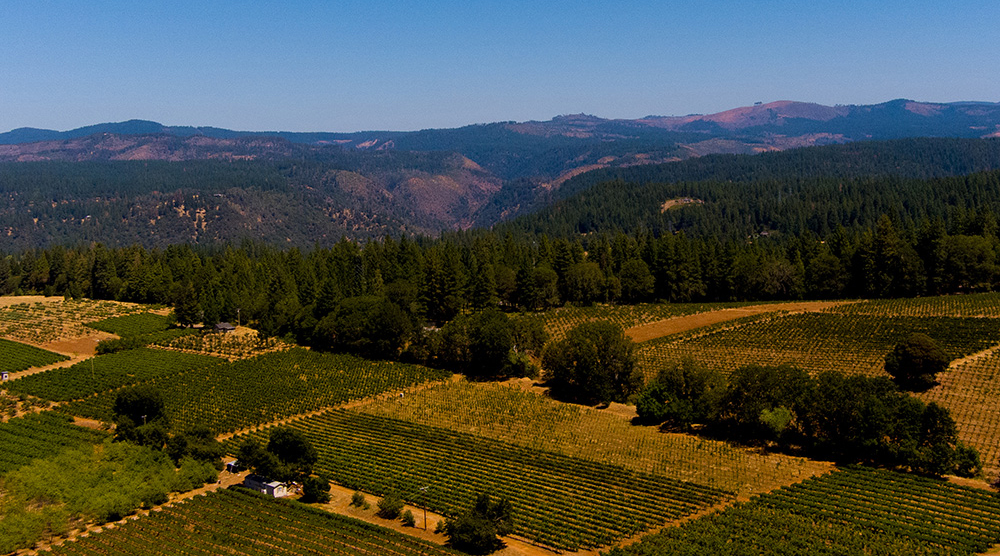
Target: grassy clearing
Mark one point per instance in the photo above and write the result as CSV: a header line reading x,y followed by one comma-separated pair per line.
x,y
510,414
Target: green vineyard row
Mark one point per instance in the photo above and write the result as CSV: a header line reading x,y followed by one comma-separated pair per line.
x,y
15,356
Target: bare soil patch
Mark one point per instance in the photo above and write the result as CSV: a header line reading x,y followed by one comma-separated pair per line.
x,y
675,325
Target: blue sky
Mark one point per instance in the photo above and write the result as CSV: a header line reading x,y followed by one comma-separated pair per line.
x,y
347,66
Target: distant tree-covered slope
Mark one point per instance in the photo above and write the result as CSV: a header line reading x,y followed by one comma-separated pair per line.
x,y
814,189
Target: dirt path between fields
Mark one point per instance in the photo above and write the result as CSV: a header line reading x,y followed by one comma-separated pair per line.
x,y
666,327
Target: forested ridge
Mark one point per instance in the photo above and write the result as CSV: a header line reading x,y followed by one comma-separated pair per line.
x,y
793,176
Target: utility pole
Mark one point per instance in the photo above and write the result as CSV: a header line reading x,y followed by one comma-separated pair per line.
x,y
423,490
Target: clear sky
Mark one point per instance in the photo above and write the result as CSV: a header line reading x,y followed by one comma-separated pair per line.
x,y
387,64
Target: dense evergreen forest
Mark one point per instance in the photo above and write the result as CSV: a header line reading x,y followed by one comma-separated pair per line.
x,y
865,232
763,187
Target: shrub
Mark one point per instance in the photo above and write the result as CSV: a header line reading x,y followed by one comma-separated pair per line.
x,y
408,519
358,500
390,506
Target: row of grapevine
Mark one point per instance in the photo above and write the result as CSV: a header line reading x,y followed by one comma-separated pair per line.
x,y
558,500
40,323
40,435
850,343
242,523
232,396
970,392
107,372
135,324
509,413
856,510
15,356
972,305
559,320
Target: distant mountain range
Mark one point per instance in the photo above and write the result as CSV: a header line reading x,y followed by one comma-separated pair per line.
x,y
475,175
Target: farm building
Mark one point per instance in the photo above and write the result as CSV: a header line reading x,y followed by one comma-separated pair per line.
x,y
265,486
223,327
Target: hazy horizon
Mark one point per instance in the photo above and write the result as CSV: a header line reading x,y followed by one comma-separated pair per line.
x,y
352,66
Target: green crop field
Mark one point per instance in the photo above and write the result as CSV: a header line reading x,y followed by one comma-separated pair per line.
x,y
242,523
849,343
40,435
15,356
232,396
107,372
508,413
561,501
852,511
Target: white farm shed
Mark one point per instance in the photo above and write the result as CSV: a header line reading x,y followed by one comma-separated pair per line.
x,y
265,486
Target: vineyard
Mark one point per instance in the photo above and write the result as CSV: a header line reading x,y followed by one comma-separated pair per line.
x,y
136,324
508,413
970,391
243,523
972,305
232,396
558,321
107,372
40,435
849,343
852,511
560,501
232,345
15,356
40,323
